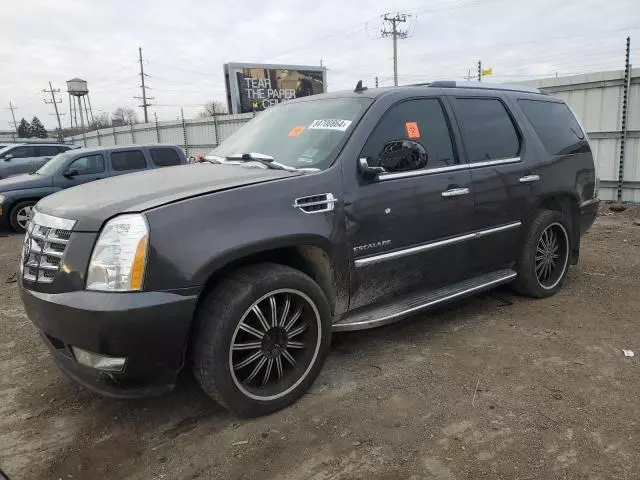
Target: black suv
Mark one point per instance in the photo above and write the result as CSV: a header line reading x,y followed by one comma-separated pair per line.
x,y
334,212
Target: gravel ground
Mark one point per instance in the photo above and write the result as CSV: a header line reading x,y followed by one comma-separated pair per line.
x,y
493,387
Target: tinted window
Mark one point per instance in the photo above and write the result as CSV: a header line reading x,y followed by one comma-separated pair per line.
x,y
47,150
130,160
422,121
556,127
23,152
62,149
487,129
164,157
88,165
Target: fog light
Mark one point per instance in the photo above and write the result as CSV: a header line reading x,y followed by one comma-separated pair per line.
x,y
100,362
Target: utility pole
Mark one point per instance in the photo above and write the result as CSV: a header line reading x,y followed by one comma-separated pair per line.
x,y
55,104
13,115
625,116
479,70
469,77
395,34
144,97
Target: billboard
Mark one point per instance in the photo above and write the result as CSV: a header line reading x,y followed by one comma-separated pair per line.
x,y
254,87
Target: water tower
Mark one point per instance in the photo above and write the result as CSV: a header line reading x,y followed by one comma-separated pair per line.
x,y
79,94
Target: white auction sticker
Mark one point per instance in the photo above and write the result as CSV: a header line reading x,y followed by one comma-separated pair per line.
x,y
330,124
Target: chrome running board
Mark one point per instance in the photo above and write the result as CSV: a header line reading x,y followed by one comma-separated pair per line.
x,y
375,316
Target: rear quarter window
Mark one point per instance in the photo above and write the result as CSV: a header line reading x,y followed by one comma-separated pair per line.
x,y
556,127
488,132
164,157
127,161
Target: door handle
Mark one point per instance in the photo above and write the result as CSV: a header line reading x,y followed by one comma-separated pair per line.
x,y
455,192
529,178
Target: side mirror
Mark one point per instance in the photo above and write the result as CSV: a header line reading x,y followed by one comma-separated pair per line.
x,y
7,157
403,156
71,173
368,170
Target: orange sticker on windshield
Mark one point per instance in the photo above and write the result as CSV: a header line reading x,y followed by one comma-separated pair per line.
x,y
296,131
412,129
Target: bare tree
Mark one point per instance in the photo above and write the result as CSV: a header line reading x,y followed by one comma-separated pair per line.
x,y
101,120
124,116
213,107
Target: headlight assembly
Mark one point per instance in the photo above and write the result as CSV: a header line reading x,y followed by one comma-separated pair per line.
x,y
119,257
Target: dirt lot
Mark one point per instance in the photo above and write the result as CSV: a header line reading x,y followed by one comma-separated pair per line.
x,y
556,397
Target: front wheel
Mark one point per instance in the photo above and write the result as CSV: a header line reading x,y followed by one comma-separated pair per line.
x,y
262,338
20,215
544,261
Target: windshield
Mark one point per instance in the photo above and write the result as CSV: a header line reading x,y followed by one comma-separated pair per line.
x,y
300,135
53,165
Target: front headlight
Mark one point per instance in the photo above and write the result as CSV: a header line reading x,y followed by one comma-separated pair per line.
x,y
120,255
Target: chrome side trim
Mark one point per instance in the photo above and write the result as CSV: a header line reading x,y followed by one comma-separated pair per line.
x,y
491,163
432,171
363,262
589,202
50,221
501,228
391,318
418,173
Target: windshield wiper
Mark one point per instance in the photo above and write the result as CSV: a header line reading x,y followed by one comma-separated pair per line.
x,y
266,160
213,159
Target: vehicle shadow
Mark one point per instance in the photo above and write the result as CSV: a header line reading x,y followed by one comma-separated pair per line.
x,y
136,427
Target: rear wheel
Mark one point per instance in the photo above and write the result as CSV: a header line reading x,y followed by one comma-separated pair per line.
x,y
544,261
20,215
262,339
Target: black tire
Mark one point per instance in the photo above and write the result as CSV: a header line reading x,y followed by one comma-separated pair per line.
x,y
529,281
17,209
218,327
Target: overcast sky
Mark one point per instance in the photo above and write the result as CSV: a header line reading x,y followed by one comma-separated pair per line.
x,y
186,43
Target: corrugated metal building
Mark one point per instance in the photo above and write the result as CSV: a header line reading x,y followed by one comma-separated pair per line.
x,y
596,98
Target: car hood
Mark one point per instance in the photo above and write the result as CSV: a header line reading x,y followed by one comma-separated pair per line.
x,y
25,181
93,203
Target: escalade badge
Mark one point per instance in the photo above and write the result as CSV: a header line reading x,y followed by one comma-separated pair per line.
x,y
371,246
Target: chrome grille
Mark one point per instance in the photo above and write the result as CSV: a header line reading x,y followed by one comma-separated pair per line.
x,y
44,247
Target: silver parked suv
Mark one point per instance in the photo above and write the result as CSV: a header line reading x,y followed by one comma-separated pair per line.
x,y
28,157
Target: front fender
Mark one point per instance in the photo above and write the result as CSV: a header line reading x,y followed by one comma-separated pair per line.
x,y
13,197
191,239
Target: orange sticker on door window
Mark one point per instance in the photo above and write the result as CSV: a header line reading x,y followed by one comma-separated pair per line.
x,y
296,131
412,129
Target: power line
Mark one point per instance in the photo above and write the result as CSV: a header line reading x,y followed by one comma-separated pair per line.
x,y
591,33
114,73
395,34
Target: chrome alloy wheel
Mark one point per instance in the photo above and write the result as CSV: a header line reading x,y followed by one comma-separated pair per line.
x,y
275,344
23,216
552,255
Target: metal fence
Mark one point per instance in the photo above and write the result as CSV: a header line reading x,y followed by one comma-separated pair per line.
x,y
194,135
598,101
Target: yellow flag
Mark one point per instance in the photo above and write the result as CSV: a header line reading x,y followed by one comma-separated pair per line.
x,y
488,71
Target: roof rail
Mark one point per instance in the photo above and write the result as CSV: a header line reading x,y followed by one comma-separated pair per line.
x,y
480,85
